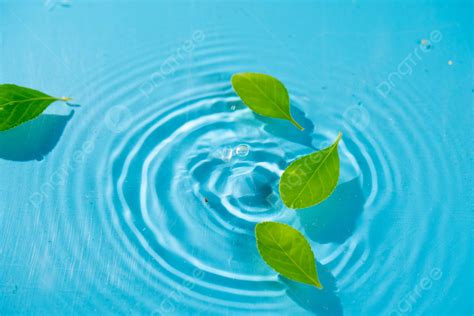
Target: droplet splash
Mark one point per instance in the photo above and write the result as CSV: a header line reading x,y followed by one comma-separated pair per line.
x,y
226,154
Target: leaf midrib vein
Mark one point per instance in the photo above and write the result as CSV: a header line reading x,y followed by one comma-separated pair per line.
x,y
268,97
28,100
314,172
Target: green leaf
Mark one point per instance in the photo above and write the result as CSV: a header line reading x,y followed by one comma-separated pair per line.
x,y
311,179
264,94
287,251
19,105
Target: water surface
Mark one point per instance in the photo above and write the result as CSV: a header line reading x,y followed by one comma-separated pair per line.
x,y
142,197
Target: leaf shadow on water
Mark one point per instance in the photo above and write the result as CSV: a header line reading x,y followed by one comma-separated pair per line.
x,y
334,220
34,139
318,301
285,130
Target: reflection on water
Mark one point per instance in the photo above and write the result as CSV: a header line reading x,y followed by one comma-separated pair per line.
x,y
319,301
34,139
334,220
284,130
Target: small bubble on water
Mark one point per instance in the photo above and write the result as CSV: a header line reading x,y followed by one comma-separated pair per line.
x,y
242,150
450,62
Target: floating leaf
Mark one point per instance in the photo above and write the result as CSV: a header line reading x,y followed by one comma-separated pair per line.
x,y
19,105
264,94
311,179
287,251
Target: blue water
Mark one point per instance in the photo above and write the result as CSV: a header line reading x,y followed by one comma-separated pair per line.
x,y
141,196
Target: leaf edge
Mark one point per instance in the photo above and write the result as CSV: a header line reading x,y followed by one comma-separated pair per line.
x,y
288,117
316,282
334,144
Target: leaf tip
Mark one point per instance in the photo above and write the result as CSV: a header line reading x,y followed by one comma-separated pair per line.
x,y
318,284
65,99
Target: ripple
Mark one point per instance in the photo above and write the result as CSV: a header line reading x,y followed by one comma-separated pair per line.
x,y
177,179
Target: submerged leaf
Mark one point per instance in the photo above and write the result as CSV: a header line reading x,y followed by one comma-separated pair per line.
x,y
264,94
19,105
311,179
287,251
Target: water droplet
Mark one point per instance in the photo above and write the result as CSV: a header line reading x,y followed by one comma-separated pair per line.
x,y
450,62
242,150
425,44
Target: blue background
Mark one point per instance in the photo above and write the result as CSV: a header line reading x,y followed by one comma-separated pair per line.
x,y
396,237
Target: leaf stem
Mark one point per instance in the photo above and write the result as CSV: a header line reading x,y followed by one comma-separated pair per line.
x,y
296,124
317,284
